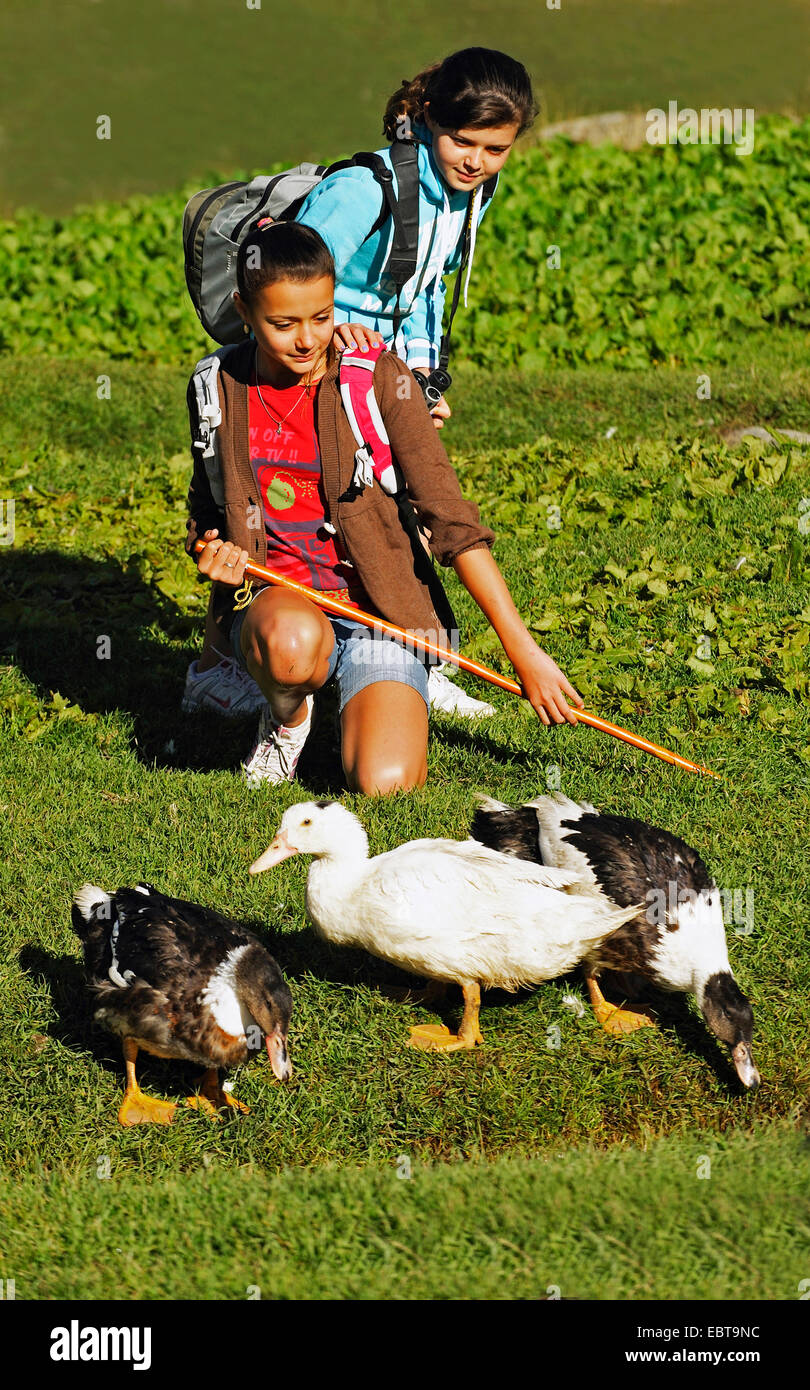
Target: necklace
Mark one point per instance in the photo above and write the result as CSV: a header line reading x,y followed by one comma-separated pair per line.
x,y
276,421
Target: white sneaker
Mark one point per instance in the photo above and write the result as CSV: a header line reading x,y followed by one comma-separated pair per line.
x,y
226,689
448,698
275,753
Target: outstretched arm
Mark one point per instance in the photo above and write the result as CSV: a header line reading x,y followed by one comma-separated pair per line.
x,y
544,684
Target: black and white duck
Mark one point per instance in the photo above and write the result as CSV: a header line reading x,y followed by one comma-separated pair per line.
x,y
179,980
677,939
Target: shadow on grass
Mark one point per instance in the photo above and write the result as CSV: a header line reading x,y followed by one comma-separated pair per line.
x,y
76,1030
64,978
304,954
57,610
453,734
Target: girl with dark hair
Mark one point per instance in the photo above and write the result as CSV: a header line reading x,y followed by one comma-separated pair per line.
x,y
277,491
464,115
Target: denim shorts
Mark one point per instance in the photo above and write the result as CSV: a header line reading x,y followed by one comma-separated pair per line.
x,y
360,657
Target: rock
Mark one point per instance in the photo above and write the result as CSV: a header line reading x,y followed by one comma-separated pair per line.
x,y
734,436
626,129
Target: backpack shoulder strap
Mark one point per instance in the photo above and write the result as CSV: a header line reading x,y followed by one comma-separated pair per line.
x,y
209,414
405,163
209,417
373,161
401,205
374,460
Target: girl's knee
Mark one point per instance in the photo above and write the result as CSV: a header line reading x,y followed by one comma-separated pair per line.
x,y
381,777
288,647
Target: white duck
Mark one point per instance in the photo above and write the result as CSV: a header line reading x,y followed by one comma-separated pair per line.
x,y
444,909
677,939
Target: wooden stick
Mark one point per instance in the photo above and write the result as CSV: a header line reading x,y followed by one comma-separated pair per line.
x,y
347,610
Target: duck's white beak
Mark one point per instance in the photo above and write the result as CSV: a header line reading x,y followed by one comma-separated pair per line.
x,y
280,849
744,1065
279,1056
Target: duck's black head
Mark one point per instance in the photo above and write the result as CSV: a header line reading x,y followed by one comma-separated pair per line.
x,y
264,991
731,1018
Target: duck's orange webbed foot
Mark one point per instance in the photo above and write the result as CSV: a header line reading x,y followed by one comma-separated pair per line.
x,y
140,1109
435,1037
616,1021
136,1108
213,1097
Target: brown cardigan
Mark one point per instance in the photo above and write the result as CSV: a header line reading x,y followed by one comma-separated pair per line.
x,y
369,526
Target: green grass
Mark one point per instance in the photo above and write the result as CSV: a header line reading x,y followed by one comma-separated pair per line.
x,y
69,440
102,779
686,257
554,1158
189,89
587,1225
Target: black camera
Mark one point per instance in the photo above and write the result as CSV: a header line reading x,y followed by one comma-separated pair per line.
x,y
434,385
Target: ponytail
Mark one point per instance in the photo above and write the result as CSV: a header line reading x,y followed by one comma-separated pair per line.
x,y
408,103
469,90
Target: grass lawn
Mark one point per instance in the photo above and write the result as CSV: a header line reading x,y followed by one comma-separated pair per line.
x,y
189,89
567,1130
698,1218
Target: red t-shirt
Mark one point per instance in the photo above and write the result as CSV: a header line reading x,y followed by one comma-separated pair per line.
x,y
287,464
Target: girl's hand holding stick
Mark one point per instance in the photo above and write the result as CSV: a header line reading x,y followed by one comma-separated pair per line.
x,y
544,684
222,561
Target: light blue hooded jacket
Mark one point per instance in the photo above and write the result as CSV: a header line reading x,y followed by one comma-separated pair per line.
x,y
344,207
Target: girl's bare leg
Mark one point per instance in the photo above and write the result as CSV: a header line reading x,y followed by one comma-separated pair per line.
x,y
215,644
384,739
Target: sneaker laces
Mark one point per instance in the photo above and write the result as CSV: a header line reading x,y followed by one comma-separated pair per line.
x,y
244,677
278,744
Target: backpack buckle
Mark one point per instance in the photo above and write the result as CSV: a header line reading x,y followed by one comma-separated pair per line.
x,y
364,468
205,436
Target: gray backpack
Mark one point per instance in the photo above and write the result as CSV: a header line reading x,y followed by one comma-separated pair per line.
x,y
216,221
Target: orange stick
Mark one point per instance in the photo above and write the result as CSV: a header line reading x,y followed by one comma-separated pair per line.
x,y
346,610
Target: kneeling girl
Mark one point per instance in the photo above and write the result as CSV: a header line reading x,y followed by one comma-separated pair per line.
x,y
281,495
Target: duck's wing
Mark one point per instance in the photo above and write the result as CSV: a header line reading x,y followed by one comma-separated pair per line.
x,y
556,818
624,858
437,886
458,910
539,831
469,859
137,1011
142,935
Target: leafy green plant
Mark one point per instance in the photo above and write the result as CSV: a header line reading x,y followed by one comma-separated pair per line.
x,y
667,254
